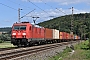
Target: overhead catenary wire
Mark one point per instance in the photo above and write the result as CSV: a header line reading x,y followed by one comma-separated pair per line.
x,y
37,6
48,5
19,4
33,4
11,7
8,6
22,16
52,7
28,13
16,10
61,11
26,6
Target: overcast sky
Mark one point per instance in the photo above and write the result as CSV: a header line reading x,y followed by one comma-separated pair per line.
x,y
45,9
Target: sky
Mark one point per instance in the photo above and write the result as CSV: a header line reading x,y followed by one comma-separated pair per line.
x,y
44,9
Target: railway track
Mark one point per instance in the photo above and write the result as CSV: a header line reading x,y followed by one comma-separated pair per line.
x,y
10,48
10,55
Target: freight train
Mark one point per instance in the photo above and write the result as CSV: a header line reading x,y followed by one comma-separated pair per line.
x,y
27,34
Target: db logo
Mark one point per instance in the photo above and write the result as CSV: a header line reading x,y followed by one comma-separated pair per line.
x,y
19,33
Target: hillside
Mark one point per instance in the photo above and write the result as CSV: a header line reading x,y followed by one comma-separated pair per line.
x,y
81,23
5,29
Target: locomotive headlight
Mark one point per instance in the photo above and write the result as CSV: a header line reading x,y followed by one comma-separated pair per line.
x,y
24,34
13,33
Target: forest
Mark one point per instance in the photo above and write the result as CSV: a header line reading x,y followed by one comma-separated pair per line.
x,y
80,24
5,29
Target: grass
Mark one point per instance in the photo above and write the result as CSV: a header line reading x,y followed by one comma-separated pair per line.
x,y
6,45
59,56
82,52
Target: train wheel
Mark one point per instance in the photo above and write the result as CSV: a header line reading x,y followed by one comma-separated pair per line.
x,y
39,43
30,43
19,45
26,45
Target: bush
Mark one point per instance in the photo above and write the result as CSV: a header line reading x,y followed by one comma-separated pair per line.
x,y
1,41
5,37
68,49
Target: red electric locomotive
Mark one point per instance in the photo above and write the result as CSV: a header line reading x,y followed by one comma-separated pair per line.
x,y
24,34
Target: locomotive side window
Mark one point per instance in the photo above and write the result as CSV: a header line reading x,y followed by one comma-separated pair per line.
x,y
30,28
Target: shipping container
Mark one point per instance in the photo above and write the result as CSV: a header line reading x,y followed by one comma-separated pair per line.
x,y
64,35
38,33
48,33
75,37
78,37
67,36
55,34
42,31
71,36
60,35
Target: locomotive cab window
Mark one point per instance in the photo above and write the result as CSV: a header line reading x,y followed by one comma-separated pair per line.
x,y
22,27
19,28
16,27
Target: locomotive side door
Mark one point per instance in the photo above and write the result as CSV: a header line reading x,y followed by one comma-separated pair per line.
x,y
30,32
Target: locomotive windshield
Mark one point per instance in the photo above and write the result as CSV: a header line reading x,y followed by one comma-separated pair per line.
x,y
19,28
